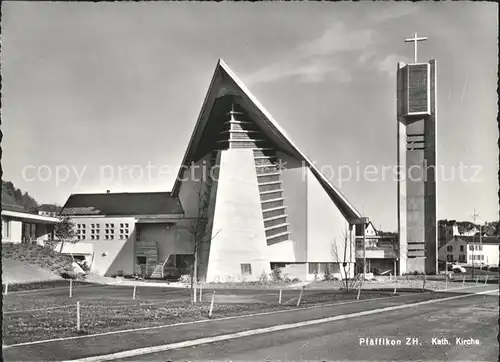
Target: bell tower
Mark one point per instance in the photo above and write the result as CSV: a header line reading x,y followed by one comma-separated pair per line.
x,y
416,157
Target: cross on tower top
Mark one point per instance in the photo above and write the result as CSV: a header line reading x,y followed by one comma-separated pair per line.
x,y
415,40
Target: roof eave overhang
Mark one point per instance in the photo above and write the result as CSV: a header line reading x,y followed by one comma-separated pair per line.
x,y
133,216
30,217
199,126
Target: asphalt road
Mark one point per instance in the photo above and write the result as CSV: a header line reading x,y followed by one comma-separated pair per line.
x,y
472,316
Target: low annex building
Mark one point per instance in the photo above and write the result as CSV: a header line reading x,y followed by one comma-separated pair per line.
x,y
20,226
246,198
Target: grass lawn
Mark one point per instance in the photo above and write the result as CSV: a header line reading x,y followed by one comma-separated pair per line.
x,y
248,285
49,284
413,283
100,313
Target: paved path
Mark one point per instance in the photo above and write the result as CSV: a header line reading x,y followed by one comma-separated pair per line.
x,y
473,316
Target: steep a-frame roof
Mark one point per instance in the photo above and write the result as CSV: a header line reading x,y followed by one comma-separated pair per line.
x,y
225,82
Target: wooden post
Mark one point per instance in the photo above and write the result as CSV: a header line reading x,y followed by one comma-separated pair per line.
x,y
78,315
211,305
486,280
201,289
423,285
359,291
300,295
6,288
477,280
194,294
71,288
133,294
463,282
390,277
279,299
446,283
395,288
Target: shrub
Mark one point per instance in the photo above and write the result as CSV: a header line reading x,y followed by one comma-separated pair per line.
x,y
276,275
186,278
66,275
295,280
263,278
84,266
119,273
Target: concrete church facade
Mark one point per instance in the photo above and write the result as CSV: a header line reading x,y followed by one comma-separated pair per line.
x,y
246,197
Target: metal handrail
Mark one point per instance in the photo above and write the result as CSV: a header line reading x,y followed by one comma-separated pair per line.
x,y
163,266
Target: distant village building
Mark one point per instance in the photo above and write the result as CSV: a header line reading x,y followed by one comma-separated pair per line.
x,y
49,210
448,229
471,250
382,251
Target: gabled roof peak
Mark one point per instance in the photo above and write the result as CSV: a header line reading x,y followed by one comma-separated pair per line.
x,y
217,83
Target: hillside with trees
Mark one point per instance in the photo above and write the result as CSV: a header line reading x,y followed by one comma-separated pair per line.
x,y
11,195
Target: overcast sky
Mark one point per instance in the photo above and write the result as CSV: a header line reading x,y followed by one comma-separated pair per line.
x,y
92,85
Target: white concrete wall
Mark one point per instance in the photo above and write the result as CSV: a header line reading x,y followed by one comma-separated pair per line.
x,y
110,256
238,220
326,226
282,252
15,234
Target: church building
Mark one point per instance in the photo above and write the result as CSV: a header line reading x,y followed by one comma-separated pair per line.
x,y
246,199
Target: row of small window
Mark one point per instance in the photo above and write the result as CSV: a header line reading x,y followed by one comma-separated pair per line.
x,y
462,248
97,226
106,237
107,231
449,257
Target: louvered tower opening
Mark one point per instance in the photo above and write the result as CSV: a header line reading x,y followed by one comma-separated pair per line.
x,y
230,126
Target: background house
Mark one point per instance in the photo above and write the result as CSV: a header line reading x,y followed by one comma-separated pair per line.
x,y
49,210
471,250
382,250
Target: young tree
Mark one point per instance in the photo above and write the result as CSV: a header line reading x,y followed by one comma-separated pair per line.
x,y
197,227
64,231
344,258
